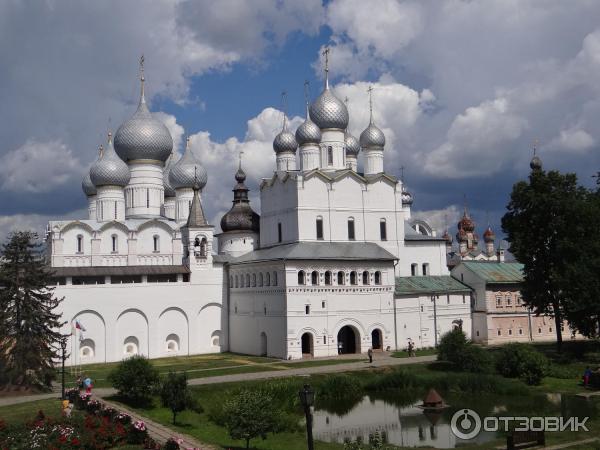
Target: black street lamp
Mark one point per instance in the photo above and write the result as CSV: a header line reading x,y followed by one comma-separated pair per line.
x,y
307,398
63,345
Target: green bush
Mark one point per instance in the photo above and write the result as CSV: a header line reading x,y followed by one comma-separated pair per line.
x,y
340,387
135,380
451,345
521,361
475,359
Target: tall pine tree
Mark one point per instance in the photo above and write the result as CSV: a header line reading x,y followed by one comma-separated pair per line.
x,y
29,336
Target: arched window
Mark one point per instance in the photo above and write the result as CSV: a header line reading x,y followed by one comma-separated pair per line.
x,y
237,281
365,277
328,278
79,243
260,279
378,277
156,243
247,280
353,280
351,233
274,278
319,228
301,277
314,278
413,269
341,278
508,300
267,279
382,230
114,242
425,269
172,343
253,280
330,155
203,247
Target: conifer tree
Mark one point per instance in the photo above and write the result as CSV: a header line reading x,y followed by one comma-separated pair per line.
x,y
29,336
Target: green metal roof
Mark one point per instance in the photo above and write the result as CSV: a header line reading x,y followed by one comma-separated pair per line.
x,y
428,285
496,272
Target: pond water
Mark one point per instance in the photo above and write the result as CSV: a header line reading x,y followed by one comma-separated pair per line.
x,y
405,424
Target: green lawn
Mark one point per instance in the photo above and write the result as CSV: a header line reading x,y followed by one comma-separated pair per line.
x,y
24,412
202,366
423,352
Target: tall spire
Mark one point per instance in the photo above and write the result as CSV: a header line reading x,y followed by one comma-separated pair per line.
x,y
284,109
306,96
326,55
142,80
370,91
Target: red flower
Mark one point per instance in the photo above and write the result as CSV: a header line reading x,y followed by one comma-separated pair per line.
x,y
75,441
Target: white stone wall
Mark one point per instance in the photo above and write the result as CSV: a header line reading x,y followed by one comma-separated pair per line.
x,y
149,315
144,195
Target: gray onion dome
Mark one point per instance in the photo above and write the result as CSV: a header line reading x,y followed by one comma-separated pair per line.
x,y
142,136
352,145
169,191
285,141
308,132
188,171
407,198
328,111
109,169
88,187
372,136
536,163
240,217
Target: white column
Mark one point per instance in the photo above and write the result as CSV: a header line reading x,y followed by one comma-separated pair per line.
x,y
92,207
110,204
286,161
310,155
373,161
333,150
145,192
183,203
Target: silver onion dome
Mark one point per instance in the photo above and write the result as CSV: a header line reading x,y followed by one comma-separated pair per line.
x,y
308,132
536,163
88,187
372,136
142,136
352,145
285,141
328,111
109,169
188,171
407,198
169,190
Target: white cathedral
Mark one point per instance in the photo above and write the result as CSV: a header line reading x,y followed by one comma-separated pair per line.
x,y
333,264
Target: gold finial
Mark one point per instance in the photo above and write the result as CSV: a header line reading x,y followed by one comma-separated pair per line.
x,y
370,91
109,137
100,151
326,55
536,143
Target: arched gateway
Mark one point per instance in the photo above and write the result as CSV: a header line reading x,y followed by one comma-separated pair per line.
x,y
348,339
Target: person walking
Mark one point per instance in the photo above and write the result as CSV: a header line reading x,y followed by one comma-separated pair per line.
x,y
370,354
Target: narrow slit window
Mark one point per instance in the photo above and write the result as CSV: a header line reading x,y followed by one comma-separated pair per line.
x,y
319,228
383,230
351,234
114,243
279,233
330,155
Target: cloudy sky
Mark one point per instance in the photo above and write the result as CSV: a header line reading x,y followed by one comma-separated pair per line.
x,y
461,89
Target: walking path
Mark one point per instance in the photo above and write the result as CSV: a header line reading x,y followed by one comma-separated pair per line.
x,y
379,360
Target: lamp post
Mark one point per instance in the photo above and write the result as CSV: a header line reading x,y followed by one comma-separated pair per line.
x,y
63,345
307,398
433,299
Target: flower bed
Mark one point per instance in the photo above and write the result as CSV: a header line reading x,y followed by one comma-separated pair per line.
x,y
98,427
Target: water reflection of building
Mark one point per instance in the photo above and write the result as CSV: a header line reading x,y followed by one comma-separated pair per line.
x,y
405,426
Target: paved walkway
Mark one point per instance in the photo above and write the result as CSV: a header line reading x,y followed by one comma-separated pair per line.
x,y
379,360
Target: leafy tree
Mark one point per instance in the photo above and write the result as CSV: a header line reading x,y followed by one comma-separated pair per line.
x,y
29,337
451,345
454,347
543,222
175,393
135,379
250,414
